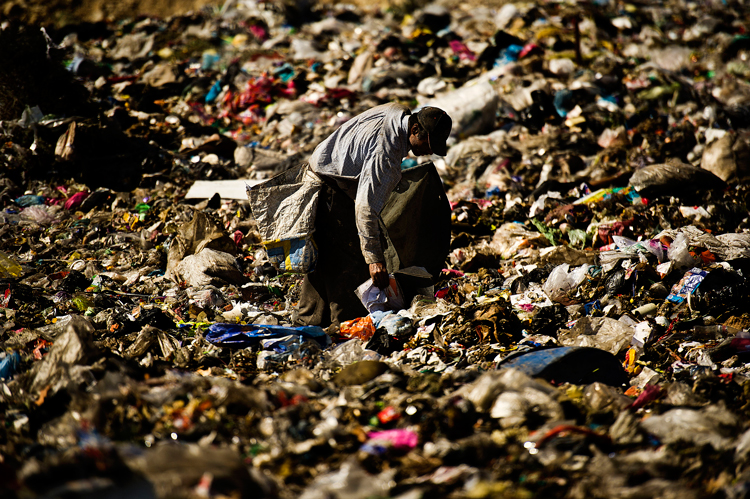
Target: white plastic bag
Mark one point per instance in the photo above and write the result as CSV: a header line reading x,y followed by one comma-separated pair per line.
x,y
560,282
379,300
679,254
472,108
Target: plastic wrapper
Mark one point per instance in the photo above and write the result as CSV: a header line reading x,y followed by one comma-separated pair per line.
x,y
199,233
360,372
219,470
687,285
209,267
607,193
724,247
743,447
727,157
38,214
603,398
567,364
653,246
73,349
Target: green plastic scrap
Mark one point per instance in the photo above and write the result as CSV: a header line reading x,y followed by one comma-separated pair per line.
x,y
142,207
577,238
660,91
554,236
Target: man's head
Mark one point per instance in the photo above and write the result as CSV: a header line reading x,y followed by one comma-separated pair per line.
x,y
433,126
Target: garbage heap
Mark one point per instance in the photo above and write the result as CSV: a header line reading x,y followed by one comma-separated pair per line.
x,y
588,336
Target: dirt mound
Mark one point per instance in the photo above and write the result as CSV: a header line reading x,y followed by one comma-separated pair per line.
x,y
60,13
63,12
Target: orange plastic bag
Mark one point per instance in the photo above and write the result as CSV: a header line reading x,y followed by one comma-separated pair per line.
x,y
361,328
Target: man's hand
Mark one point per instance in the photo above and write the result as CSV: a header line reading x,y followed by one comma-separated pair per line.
x,y
379,275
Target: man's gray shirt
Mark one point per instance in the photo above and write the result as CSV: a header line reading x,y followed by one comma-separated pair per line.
x,y
364,157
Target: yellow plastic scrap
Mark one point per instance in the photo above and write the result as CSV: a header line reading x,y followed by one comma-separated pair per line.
x,y
9,267
574,121
549,31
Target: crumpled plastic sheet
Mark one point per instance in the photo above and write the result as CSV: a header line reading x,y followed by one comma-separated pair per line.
x,y
242,336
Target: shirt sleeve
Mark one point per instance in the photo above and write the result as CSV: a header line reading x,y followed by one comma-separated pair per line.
x,y
378,179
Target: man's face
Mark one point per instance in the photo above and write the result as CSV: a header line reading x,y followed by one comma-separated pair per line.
x,y
419,147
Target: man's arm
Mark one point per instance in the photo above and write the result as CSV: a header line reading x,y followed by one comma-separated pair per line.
x,y
377,181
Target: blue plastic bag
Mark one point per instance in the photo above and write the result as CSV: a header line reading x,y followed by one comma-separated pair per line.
x,y
243,336
29,200
9,365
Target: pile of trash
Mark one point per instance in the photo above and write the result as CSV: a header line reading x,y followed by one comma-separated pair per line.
x,y
587,336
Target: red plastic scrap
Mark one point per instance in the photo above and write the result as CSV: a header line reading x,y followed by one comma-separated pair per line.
x,y
5,298
388,415
75,200
707,257
649,394
668,332
121,78
38,347
253,114
336,94
264,89
237,237
257,31
248,105
286,401
58,275
564,429
198,109
453,272
445,292
530,49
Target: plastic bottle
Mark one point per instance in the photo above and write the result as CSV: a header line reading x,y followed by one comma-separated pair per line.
x,y
647,309
9,267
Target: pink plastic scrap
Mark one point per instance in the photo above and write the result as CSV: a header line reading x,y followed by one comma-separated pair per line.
x,y
399,438
75,200
462,51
